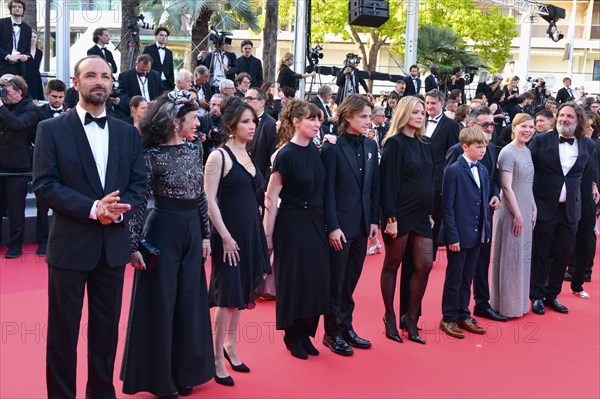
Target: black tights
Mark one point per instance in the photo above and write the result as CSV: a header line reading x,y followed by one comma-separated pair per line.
x,y
422,250
302,327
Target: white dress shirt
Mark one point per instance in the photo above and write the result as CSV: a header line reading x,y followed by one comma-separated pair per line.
x,y
162,50
430,127
474,171
568,156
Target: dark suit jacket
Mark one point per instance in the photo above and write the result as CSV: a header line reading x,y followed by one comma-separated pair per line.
x,y
166,67
490,161
464,205
231,63
264,143
345,199
444,136
430,83
6,46
95,50
562,94
17,131
549,178
65,178
46,113
254,69
410,87
128,82
325,126
340,81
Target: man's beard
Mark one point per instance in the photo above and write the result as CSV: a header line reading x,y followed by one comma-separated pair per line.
x,y
95,97
565,130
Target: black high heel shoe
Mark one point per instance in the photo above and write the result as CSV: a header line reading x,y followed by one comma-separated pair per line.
x,y
390,326
242,368
403,326
227,381
413,333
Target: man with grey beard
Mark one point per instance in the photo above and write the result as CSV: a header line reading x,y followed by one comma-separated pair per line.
x,y
559,159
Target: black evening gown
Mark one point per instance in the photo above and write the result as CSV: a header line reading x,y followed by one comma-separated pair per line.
x,y
239,286
301,248
169,336
32,76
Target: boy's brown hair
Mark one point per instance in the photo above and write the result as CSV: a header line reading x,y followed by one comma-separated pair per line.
x,y
472,135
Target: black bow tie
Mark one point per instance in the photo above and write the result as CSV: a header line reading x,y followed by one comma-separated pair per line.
x,y
473,164
16,24
562,139
432,121
161,47
99,121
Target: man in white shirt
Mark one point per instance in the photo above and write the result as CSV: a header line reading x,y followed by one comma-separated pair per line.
x,y
102,38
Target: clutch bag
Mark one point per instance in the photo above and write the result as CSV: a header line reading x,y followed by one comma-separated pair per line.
x,y
149,253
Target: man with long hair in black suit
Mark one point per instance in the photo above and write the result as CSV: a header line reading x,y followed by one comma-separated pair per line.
x,y
15,40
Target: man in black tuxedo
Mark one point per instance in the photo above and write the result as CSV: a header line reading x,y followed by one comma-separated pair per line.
x,y
329,125
162,58
250,64
90,170
15,40
432,81
222,64
55,93
443,132
413,83
348,80
378,123
482,119
18,121
560,158
265,140
102,38
352,216
564,93
141,80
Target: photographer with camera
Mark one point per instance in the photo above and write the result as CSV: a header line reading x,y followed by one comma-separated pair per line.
x,y
540,93
102,38
287,77
213,135
18,121
457,82
349,78
221,63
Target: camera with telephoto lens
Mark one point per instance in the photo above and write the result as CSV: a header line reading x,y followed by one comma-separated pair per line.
x,y
217,135
315,54
3,92
137,20
219,37
352,60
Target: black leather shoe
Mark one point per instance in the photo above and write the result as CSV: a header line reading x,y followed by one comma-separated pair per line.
x,y
241,368
489,313
185,391
354,340
227,381
337,345
13,253
556,306
537,306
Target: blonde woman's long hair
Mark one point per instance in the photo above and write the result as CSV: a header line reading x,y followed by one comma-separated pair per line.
x,y
402,115
286,57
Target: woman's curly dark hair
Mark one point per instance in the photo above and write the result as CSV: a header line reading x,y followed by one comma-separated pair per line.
x,y
157,126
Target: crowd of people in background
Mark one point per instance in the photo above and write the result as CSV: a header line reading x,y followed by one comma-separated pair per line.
x,y
287,197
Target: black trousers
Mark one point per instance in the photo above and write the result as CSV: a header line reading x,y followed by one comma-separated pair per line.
x,y
457,284
41,223
437,216
66,290
13,189
554,239
585,245
346,267
481,284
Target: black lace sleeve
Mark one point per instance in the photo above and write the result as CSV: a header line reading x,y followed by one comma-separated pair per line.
x,y
203,204
136,223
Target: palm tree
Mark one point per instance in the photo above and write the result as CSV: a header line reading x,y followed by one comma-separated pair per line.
x,y
181,16
441,46
30,16
270,36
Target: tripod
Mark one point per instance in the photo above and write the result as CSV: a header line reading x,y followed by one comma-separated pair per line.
x,y
312,81
133,44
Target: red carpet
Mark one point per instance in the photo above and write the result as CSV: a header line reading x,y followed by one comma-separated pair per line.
x,y
551,356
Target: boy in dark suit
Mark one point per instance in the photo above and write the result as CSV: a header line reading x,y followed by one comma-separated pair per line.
x,y
162,58
466,225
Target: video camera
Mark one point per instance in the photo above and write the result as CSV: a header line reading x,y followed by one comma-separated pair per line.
x,y
314,55
115,91
137,20
352,60
219,37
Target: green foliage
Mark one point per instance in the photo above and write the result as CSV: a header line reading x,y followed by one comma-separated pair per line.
x,y
225,14
441,46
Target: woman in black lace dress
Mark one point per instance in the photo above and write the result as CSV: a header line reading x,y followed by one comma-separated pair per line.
x,y
240,258
169,342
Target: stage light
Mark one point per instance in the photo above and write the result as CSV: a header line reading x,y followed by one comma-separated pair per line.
x,y
554,33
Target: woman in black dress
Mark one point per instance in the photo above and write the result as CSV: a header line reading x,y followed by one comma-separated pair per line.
x,y
406,197
169,341
287,77
296,231
240,258
32,70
